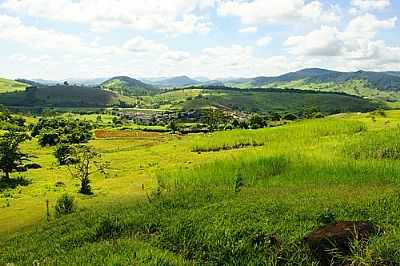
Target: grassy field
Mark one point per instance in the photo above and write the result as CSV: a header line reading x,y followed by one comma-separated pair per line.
x,y
7,85
172,200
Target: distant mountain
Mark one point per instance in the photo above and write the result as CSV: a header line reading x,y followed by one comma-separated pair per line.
x,y
202,79
86,82
78,82
180,81
152,80
128,86
46,82
389,81
394,73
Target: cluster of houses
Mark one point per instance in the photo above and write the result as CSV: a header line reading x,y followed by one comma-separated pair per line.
x,y
149,117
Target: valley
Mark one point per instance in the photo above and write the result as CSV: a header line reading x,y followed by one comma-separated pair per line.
x,y
198,174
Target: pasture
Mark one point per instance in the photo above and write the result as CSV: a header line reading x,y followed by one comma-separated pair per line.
x,y
7,85
183,200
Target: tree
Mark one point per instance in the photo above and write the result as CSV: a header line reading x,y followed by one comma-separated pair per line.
x,y
173,126
9,121
290,117
11,158
311,112
82,162
99,120
63,153
48,138
213,117
53,131
257,121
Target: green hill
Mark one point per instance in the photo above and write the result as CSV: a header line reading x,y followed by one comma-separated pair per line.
x,y
7,85
376,80
60,96
128,86
277,100
376,85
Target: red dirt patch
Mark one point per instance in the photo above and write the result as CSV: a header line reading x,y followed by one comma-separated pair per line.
x,y
105,134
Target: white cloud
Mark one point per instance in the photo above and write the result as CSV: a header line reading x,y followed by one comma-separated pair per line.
x,y
141,45
367,26
43,52
321,42
172,57
354,47
12,29
276,11
236,60
264,41
63,54
248,30
368,5
174,16
314,11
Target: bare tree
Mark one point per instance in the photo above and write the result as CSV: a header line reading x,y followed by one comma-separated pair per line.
x,y
82,162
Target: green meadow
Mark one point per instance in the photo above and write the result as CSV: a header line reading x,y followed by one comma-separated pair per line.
x,y
7,85
213,199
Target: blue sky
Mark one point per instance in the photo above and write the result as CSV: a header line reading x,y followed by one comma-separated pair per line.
x,y
58,39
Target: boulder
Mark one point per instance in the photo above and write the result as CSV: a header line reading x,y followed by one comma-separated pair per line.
x,y
33,166
338,237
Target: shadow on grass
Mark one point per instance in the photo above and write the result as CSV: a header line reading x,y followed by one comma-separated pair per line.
x,y
13,183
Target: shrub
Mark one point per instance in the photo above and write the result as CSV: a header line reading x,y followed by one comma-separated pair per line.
x,y
238,181
108,228
64,205
52,131
257,121
62,154
327,217
290,117
48,138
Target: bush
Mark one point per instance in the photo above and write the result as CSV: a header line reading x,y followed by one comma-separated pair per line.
x,y
48,138
52,131
238,181
327,217
109,228
62,153
290,117
64,205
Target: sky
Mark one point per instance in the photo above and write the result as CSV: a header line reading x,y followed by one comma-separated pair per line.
x,y
59,39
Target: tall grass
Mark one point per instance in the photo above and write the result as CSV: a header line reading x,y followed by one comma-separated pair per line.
x,y
248,207
295,135
224,173
381,145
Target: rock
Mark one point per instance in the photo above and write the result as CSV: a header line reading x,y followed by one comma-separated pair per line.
x,y
21,169
33,166
338,237
60,184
